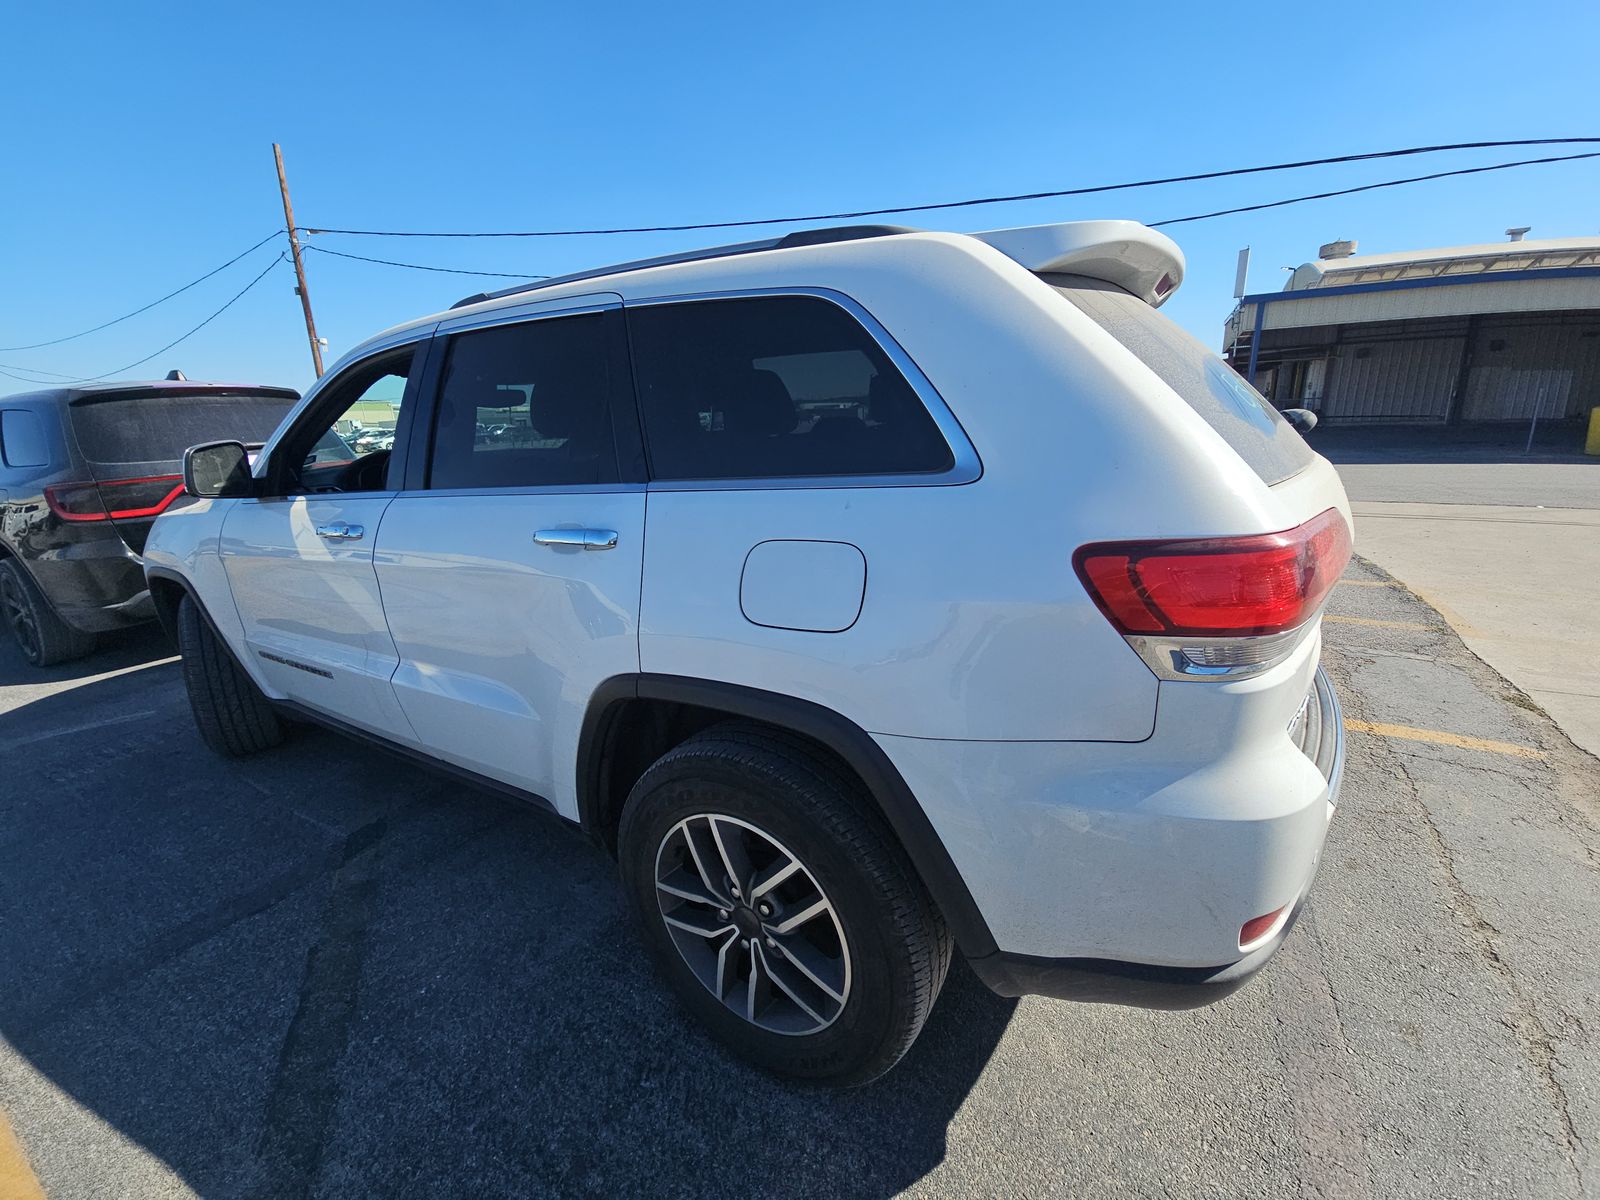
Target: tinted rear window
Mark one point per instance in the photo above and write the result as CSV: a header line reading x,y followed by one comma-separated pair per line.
x,y
526,406
1242,416
143,429
774,387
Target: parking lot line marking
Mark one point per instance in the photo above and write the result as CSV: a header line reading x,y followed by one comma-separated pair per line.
x,y
17,1180
1440,738
1379,624
1367,583
55,733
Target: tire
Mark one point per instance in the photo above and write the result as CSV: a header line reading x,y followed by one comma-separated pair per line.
x,y
43,637
879,944
235,719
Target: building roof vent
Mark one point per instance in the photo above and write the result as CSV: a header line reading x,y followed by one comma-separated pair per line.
x,y
1517,232
1340,249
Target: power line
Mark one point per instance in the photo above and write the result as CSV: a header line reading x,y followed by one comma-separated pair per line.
x,y
175,341
117,321
948,204
1371,187
24,379
419,267
34,371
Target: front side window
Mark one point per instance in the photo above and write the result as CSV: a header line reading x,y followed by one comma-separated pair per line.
x,y
773,387
347,439
526,406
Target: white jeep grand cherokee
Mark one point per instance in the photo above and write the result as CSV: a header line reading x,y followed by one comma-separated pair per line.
x,y
865,591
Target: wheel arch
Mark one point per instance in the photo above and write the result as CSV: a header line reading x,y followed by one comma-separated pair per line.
x,y
167,590
627,712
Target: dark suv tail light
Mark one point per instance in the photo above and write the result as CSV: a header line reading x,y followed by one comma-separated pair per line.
x,y
1217,587
114,499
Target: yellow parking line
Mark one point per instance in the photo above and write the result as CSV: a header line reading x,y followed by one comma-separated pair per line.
x,y
1439,738
17,1180
1367,583
1378,623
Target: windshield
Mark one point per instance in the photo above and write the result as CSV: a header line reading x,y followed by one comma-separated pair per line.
x,y
159,428
1243,417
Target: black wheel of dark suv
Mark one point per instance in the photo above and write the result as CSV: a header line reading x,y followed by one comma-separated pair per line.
x,y
43,637
779,907
235,719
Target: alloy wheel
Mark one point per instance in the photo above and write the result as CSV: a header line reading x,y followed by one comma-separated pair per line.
x,y
18,615
752,924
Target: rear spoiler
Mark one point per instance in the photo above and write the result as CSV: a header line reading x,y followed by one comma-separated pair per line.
x,y
1132,256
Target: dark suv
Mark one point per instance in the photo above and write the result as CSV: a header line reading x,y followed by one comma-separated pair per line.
x,y
84,471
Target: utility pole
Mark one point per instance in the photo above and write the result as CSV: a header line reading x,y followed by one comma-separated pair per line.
x,y
299,266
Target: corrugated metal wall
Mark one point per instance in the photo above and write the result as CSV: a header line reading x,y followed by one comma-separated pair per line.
x,y
1517,367
1406,372
1393,380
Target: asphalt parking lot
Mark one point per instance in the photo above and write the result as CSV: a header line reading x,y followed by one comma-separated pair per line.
x,y
326,973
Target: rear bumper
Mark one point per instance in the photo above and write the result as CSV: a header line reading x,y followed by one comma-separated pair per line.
x,y
1123,873
1135,985
1318,731
95,583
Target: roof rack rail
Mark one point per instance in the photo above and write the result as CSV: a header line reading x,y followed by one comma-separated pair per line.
x,y
802,237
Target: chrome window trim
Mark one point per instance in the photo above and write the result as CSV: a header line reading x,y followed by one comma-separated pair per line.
x,y
549,489
564,306
967,467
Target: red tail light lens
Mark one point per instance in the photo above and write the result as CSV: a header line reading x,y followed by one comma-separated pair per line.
x,y
114,499
1217,587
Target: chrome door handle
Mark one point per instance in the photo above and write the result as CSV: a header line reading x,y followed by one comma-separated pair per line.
x,y
588,539
340,531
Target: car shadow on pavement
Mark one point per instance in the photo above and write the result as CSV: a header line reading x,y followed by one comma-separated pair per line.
x,y
322,971
115,652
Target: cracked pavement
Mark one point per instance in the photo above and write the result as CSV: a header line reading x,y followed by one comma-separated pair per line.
x,y
326,973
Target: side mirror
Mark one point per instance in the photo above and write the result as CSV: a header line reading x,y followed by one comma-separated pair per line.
x,y
217,469
1302,419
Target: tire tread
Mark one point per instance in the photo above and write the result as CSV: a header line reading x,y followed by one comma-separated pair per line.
x,y
234,718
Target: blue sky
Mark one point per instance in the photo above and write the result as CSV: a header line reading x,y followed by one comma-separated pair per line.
x,y
138,141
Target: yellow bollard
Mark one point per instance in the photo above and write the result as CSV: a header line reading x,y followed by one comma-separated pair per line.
x,y
1592,446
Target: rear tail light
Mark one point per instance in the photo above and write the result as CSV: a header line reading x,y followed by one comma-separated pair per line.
x,y
1209,606
114,499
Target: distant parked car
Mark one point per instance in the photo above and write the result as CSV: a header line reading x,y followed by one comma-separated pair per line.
x,y
84,471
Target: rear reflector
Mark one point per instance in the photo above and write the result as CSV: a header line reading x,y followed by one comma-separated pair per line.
x,y
114,499
1257,928
1217,587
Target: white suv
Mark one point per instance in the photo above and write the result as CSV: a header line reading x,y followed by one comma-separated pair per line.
x,y
867,592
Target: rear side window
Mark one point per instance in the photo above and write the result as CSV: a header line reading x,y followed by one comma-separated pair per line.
x,y
22,440
1240,414
159,428
526,406
774,386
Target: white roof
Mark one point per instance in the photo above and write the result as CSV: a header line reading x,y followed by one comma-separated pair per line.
x,y
1125,253
1528,254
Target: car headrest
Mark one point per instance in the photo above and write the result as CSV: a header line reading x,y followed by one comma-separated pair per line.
x,y
763,406
888,400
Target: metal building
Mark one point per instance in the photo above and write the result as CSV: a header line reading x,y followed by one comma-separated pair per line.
x,y
1468,334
